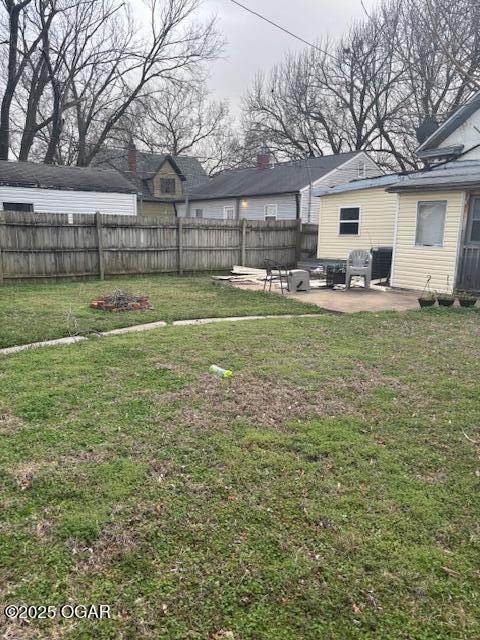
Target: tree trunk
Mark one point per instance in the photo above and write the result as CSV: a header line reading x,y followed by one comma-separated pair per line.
x,y
11,84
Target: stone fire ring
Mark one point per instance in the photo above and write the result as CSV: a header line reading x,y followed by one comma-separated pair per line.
x,y
142,302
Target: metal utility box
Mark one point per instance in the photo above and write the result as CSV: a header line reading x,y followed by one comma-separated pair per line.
x,y
298,280
381,263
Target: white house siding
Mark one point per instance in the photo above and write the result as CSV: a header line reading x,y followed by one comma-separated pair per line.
x,y
412,264
468,135
350,170
377,222
252,208
210,208
58,201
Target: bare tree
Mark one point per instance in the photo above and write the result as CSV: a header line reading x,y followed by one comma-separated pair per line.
x,y
178,118
407,61
17,12
84,65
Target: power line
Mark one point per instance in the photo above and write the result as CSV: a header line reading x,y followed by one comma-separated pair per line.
x,y
278,26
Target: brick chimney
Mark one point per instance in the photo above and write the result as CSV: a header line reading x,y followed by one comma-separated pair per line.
x,y
264,159
132,157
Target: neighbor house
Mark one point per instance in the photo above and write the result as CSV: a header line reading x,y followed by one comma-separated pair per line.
x,y
45,188
457,138
162,181
269,191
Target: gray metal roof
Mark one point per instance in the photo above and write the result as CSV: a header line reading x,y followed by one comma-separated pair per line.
x,y
457,176
50,176
148,164
357,185
287,177
449,126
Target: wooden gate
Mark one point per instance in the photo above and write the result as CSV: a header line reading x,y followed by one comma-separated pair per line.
x,y
469,271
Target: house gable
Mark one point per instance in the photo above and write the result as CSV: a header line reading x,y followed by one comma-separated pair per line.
x,y
360,166
167,183
458,136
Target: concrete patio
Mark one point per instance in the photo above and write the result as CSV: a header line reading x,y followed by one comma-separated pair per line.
x,y
351,300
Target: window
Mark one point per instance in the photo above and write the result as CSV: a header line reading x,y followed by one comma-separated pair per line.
x,y
349,221
18,206
229,212
475,221
271,211
198,213
361,170
167,186
430,223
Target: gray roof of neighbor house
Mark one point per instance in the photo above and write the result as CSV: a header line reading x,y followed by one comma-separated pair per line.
x,y
188,169
50,176
287,177
357,185
456,176
448,127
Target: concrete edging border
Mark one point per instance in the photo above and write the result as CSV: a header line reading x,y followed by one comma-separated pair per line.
x,y
137,328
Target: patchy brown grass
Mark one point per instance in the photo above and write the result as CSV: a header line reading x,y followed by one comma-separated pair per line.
x,y
85,455
9,423
24,474
216,403
115,540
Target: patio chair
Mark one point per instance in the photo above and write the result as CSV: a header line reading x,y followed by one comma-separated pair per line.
x,y
270,266
359,263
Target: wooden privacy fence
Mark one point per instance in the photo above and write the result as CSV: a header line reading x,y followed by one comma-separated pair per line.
x,y
52,246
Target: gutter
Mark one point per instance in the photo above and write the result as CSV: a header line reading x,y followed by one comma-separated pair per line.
x,y
200,198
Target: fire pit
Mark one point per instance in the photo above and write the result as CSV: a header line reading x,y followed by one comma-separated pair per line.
x,y
121,301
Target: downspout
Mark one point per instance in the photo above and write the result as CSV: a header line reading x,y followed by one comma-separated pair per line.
x,y
297,205
395,234
309,218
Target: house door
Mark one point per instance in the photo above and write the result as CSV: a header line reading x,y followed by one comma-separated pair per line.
x,y
469,273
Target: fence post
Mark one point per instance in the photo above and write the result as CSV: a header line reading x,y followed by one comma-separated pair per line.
x,y
298,243
180,246
243,245
101,257
2,243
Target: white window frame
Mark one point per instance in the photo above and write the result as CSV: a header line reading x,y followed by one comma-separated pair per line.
x,y
430,246
228,207
199,217
270,216
340,221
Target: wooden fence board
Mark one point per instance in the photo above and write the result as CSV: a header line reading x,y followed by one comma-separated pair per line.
x,y
34,246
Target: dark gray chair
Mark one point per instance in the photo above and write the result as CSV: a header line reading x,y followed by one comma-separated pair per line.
x,y
270,266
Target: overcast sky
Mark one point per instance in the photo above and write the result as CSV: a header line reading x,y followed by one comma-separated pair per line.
x,y
252,45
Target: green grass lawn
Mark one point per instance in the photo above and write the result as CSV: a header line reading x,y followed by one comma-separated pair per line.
x,y
327,491
34,312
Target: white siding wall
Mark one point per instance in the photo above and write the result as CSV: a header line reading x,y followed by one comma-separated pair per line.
x,y
210,208
346,173
57,201
250,208
377,222
254,208
413,264
467,134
